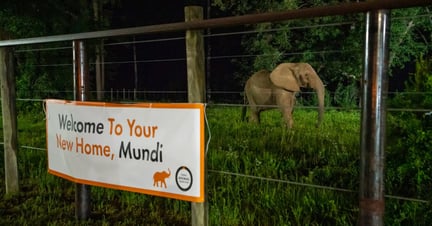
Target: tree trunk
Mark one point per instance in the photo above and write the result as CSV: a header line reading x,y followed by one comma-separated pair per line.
x,y
97,17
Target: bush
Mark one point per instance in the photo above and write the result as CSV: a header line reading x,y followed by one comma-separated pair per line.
x,y
409,156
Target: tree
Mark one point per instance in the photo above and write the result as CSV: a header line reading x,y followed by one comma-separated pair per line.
x,y
58,18
333,45
24,19
101,20
98,18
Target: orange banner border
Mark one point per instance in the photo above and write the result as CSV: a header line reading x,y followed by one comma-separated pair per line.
x,y
199,106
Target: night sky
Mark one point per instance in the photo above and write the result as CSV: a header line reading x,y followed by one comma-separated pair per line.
x,y
162,64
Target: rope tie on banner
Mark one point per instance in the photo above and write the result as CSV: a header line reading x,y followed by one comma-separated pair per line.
x,y
208,129
44,105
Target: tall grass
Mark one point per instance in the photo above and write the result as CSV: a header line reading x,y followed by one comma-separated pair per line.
x,y
258,175
277,170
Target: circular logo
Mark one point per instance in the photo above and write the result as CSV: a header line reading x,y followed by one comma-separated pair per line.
x,y
184,178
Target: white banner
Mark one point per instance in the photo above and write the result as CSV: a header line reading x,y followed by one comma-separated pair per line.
x,y
156,149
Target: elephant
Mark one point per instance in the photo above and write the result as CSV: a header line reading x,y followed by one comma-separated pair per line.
x,y
160,177
265,89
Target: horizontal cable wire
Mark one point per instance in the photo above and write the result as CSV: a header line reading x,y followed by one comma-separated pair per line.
x,y
216,91
145,41
412,17
281,181
30,99
208,57
53,65
44,49
142,61
280,29
309,185
284,54
117,62
271,106
327,108
28,147
32,148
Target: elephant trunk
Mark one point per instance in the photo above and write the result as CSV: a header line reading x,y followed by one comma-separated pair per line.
x,y
319,88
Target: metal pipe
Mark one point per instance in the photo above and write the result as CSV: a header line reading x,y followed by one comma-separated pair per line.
x,y
332,10
74,62
83,76
375,86
80,69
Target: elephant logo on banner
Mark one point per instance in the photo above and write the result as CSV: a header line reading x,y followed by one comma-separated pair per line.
x,y
160,177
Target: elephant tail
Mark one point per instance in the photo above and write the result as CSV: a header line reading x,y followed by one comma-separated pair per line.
x,y
244,108
243,114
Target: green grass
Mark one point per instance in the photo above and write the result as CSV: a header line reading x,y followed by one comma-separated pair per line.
x,y
258,175
304,154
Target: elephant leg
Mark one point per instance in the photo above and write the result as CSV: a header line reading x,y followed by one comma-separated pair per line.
x,y
254,110
287,114
256,97
254,115
286,101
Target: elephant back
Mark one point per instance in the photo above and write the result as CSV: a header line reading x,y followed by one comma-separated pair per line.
x,y
261,79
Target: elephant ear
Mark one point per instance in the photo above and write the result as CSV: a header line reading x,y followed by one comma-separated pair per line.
x,y
283,76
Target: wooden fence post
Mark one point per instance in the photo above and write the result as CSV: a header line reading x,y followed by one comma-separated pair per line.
x,y
196,92
10,140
